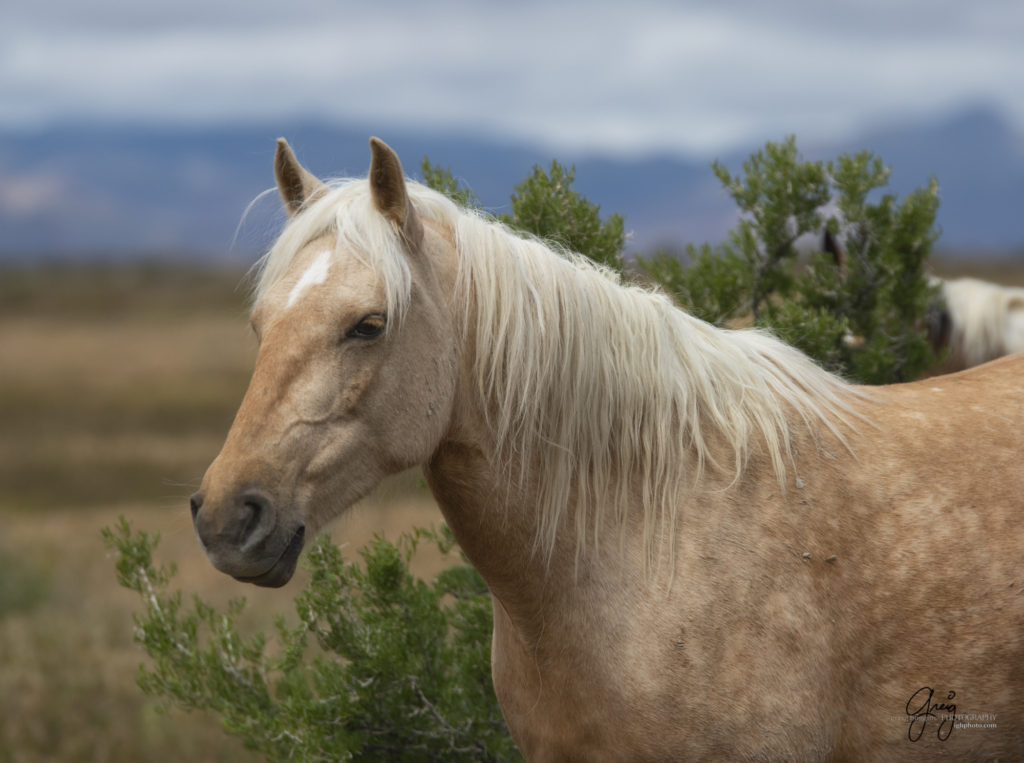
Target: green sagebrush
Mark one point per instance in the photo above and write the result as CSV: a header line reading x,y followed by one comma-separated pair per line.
x,y
546,205
400,668
862,316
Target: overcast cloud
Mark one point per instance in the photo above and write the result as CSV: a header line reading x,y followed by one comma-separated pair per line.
x,y
627,77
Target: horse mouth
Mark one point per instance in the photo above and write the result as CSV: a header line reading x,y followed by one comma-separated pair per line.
x,y
281,571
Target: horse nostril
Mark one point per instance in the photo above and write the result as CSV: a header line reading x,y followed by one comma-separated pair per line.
x,y
196,503
256,507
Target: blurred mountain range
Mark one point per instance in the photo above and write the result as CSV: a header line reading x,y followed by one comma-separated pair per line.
x,y
114,191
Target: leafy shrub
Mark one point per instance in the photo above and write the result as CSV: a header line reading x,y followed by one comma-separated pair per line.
x,y
401,668
859,312
546,205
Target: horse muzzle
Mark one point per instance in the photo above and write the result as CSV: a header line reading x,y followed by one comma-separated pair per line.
x,y
248,538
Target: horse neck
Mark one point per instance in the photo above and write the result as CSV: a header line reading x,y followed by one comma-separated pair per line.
x,y
494,523
492,499
502,476
491,507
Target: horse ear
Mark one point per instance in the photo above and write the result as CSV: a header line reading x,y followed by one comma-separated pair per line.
x,y
387,186
296,184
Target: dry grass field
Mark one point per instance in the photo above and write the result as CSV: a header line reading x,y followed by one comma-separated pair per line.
x,y
117,386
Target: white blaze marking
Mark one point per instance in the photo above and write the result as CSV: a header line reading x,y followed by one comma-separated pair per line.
x,y
315,273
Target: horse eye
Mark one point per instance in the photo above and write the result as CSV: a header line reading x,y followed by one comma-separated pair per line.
x,y
370,327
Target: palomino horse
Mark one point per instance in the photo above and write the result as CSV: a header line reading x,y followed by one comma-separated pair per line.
x,y
977,322
699,544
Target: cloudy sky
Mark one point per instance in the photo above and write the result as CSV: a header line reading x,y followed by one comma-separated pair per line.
x,y
620,77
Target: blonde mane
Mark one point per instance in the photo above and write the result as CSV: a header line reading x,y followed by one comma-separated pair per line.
x,y
618,396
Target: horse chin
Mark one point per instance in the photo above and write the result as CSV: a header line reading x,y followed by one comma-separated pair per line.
x,y
284,568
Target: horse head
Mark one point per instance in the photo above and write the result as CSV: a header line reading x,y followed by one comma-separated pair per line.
x,y
354,376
